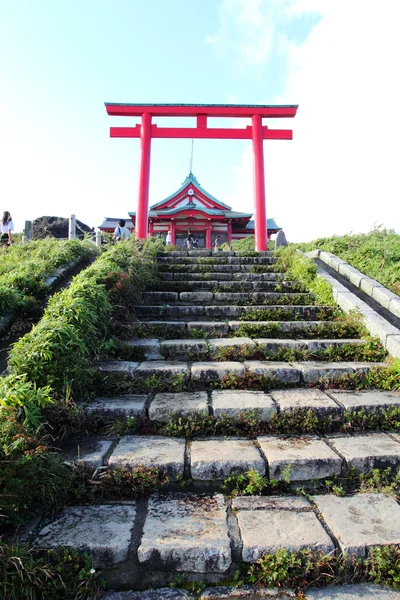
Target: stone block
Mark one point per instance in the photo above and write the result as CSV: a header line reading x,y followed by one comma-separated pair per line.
x,y
312,254
384,296
368,400
307,399
219,458
267,530
235,402
215,371
104,532
301,458
280,371
160,296
183,349
273,345
368,451
124,367
153,451
166,405
314,371
129,405
198,297
393,345
91,455
317,345
379,327
157,594
222,343
249,592
295,503
352,274
209,327
223,311
150,347
162,368
184,532
394,306
368,284
361,521
362,591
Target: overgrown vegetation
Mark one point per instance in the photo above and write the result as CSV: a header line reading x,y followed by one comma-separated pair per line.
x,y
376,254
32,574
24,269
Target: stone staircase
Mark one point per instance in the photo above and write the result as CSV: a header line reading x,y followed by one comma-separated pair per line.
x,y
227,339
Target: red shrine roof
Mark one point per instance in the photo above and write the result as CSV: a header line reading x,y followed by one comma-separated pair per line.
x,y
274,111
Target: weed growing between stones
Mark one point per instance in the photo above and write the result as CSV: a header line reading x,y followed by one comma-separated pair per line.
x,y
114,484
253,483
26,572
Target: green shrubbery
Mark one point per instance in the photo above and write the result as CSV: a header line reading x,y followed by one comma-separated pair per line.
x,y
376,254
25,267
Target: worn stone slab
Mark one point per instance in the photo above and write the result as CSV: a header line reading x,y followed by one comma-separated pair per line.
x,y
125,367
368,451
378,326
270,529
368,285
247,591
215,345
294,503
393,345
160,296
384,296
274,345
215,371
162,368
150,347
362,591
184,532
280,371
394,306
218,310
165,405
235,402
361,521
129,405
157,594
163,453
92,454
200,297
306,399
212,327
299,458
314,371
104,532
217,459
352,274
368,400
183,348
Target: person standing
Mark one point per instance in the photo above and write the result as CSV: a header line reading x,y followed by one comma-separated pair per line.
x,y
121,232
216,244
168,239
6,226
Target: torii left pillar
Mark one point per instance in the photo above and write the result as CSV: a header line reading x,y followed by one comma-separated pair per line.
x,y
142,216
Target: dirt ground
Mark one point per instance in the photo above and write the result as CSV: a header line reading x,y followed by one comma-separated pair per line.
x,y
57,227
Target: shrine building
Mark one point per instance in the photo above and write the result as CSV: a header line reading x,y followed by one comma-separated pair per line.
x,y
192,208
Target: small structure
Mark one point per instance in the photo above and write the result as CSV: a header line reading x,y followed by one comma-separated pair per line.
x,y
192,208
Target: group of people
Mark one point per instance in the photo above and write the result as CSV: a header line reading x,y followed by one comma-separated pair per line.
x,y
6,227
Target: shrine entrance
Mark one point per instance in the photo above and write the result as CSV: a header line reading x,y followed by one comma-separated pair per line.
x,y
257,132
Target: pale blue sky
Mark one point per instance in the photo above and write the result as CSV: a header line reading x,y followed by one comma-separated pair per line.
x,y
61,60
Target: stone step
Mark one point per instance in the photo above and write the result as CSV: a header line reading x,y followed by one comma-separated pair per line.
x,y
221,277
232,403
230,286
202,329
202,373
148,543
300,458
199,254
244,347
362,591
247,313
206,298
218,268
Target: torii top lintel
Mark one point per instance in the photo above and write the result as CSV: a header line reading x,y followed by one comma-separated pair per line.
x,y
210,110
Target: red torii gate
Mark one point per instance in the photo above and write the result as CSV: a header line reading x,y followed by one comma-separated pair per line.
x,y
256,132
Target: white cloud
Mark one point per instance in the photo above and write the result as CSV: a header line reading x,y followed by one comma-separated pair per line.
x,y
340,173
